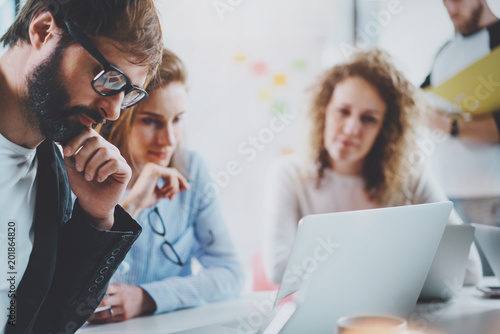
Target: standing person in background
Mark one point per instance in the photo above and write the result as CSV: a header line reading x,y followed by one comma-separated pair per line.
x,y
468,163
168,197
69,65
364,115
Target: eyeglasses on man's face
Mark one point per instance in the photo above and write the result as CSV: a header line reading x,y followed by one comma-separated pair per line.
x,y
158,226
110,81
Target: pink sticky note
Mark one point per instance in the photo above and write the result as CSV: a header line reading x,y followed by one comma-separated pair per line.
x,y
259,68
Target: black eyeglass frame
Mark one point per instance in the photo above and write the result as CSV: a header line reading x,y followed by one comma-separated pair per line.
x,y
163,234
87,44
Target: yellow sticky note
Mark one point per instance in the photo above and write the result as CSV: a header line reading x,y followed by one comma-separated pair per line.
x,y
264,95
280,79
240,58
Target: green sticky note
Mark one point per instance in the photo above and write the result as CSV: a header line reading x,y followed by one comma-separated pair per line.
x,y
280,108
300,64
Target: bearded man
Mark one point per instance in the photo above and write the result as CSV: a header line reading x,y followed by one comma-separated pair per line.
x,y
70,65
468,162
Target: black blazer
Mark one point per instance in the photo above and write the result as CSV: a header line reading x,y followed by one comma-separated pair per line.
x,y
71,261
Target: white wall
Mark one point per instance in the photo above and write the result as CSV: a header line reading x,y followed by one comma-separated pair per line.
x,y
7,12
230,102
225,108
415,35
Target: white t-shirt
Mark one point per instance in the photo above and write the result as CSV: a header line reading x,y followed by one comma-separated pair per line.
x,y
18,169
465,168
291,194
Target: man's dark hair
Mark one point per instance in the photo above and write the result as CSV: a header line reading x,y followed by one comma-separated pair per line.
x,y
134,24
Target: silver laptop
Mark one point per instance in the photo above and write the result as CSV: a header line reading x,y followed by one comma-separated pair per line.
x,y
446,276
488,239
360,262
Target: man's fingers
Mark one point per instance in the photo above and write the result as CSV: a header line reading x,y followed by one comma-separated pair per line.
x,y
100,162
87,151
74,145
111,167
91,160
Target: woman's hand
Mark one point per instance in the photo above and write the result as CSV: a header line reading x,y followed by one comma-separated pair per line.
x,y
145,191
126,301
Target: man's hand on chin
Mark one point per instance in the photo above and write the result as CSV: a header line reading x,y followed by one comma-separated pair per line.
x,y
98,175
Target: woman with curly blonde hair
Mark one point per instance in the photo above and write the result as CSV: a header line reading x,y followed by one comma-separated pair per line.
x,y
386,166
364,114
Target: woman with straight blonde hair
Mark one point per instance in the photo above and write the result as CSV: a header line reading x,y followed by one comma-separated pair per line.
x,y
180,222
364,115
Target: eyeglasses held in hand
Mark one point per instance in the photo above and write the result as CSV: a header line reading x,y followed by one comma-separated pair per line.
x,y
167,248
110,81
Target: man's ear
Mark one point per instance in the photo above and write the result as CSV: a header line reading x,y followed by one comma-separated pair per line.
x,y
42,29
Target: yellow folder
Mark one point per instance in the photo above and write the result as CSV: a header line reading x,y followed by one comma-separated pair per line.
x,y
475,90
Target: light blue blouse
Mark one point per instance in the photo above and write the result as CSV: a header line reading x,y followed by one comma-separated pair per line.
x,y
196,228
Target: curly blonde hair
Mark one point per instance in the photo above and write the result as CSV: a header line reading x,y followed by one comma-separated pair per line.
x,y
383,171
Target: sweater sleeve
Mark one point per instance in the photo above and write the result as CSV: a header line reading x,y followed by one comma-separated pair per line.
x,y
281,215
426,189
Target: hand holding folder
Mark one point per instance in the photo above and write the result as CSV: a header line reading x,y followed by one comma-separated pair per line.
x,y
475,91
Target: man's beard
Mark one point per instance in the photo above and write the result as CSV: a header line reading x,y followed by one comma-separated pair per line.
x,y
46,104
472,25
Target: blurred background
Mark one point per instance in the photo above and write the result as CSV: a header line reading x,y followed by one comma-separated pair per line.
x,y
250,63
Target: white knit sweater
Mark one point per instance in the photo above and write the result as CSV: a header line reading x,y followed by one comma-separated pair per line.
x,y
291,193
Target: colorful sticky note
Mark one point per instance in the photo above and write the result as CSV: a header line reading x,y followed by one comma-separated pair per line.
x,y
280,79
279,108
286,150
300,64
264,95
259,68
240,58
